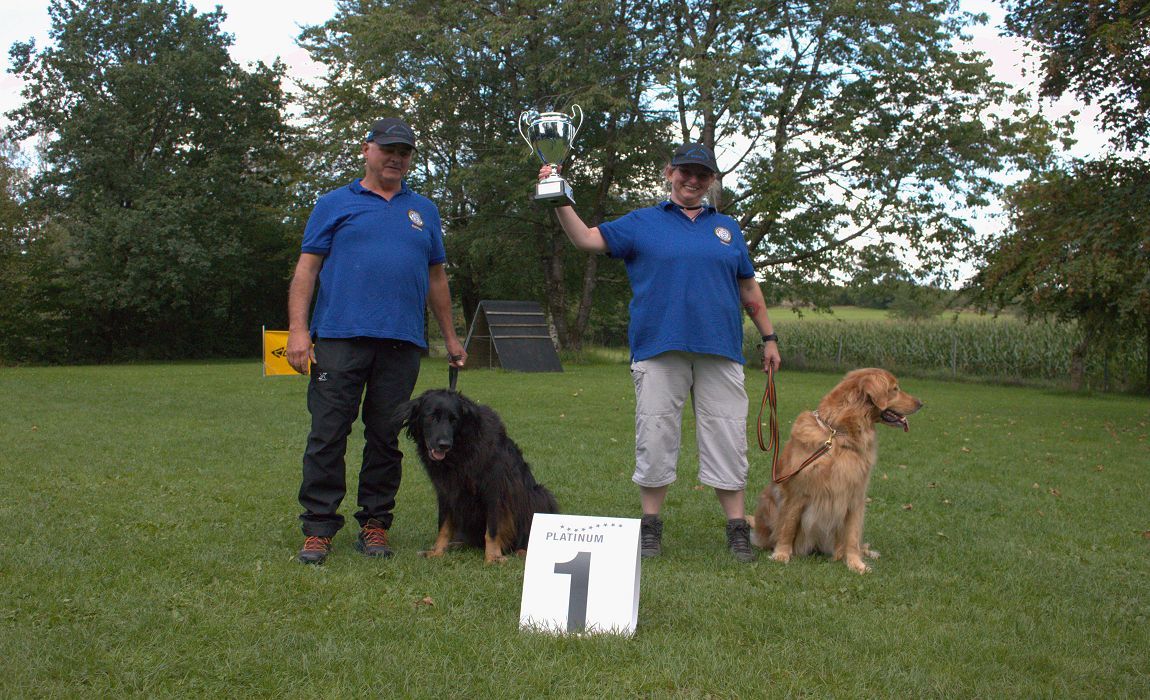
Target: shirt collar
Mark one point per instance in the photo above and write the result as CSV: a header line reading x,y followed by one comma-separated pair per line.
x,y
358,188
668,205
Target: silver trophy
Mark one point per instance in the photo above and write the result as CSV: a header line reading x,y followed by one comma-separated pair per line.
x,y
550,136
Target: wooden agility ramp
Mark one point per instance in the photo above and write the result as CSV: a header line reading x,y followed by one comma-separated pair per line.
x,y
513,335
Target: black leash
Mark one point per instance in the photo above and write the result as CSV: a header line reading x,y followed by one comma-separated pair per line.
x,y
453,373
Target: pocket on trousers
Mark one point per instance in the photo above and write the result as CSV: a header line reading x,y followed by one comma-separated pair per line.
x,y
638,373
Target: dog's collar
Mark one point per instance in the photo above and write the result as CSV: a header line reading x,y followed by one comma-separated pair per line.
x,y
826,425
822,450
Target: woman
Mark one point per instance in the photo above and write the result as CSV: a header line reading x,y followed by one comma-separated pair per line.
x,y
690,272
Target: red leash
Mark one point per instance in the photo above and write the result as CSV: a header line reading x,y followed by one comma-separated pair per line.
x,y
770,397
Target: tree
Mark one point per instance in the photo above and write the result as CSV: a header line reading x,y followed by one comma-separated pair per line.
x,y
14,190
1097,50
1080,242
167,162
858,125
1077,250
842,125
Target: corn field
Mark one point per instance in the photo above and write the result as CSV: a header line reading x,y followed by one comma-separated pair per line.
x,y
999,350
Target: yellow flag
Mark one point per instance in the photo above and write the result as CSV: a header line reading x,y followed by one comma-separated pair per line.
x,y
275,354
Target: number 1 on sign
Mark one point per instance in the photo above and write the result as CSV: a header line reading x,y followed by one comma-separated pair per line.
x,y
580,570
600,599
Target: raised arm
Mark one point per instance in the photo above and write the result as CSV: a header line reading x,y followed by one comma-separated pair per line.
x,y
581,236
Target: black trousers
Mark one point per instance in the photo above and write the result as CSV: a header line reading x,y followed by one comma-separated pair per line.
x,y
383,373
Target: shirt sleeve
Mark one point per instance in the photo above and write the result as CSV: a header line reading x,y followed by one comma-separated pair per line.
x,y
321,226
620,236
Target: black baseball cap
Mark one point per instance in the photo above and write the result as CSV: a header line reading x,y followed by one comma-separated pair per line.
x,y
696,154
391,130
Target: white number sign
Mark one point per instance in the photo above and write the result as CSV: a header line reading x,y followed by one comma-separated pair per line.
x,y
581,575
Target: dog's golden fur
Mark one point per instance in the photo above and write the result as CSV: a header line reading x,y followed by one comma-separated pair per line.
x,y
821,508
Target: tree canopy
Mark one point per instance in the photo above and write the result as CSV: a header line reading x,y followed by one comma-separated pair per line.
x,y
1097,50
840,126
1077,251
1079,244
164,165
166,208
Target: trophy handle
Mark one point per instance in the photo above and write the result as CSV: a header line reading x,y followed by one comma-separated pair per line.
x,y
523,117
574,109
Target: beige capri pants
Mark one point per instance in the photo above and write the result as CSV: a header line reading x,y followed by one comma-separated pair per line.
x,y
719,398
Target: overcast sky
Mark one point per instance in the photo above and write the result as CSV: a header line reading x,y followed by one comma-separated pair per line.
x,y
266,30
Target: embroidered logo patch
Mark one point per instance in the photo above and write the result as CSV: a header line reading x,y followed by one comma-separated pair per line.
x,y
416,219
723,234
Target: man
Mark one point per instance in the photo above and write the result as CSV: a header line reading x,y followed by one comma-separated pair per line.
x,y
376,249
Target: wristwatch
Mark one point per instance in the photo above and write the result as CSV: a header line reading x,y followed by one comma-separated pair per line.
x,y
771,337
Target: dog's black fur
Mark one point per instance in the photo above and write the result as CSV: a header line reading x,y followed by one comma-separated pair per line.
x,y
487,495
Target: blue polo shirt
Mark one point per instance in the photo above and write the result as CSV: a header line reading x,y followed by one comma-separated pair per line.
x,y
684,280
374,278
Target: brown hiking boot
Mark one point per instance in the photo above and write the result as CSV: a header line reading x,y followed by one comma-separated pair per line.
x,y
372,540
315,550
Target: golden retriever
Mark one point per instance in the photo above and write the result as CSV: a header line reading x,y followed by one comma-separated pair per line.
x,y
820,509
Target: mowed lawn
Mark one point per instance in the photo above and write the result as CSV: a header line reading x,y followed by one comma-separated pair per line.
x,y
152,531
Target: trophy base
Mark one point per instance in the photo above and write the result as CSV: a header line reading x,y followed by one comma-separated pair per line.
x,y
556,193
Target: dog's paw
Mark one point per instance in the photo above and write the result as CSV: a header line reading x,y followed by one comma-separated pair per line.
x,y
430,554
782,557
869,553
857,565
496,560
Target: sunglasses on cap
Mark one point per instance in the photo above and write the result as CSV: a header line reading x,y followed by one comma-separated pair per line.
x,y
397,149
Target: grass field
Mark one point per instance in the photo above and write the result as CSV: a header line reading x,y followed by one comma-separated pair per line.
x,y
846,313
153,530
860,313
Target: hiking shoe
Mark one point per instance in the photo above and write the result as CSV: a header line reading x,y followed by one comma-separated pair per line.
x,y
315,550
650,536
739,539
372,540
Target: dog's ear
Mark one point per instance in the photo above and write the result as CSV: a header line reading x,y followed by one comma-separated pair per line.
x,y
876,388
468,410
404,416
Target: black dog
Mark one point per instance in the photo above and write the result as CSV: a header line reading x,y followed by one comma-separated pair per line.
x,y
487,495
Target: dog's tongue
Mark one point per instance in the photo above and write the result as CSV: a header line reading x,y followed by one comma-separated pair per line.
x,y
437,455
895,418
